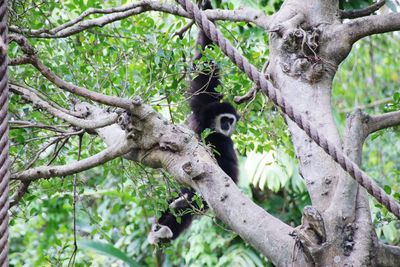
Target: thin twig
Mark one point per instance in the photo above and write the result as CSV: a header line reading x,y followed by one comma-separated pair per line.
x,y
46,172
251,94
17,124
73,256
57,152
182,31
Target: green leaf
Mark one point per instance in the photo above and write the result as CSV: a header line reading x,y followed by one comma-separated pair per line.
x,y
376,135
396,97
387,189
108,250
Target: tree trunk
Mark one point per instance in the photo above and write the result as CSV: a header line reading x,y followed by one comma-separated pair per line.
x,y
303,60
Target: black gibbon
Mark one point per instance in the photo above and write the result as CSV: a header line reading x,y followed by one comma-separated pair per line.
x,y
208,112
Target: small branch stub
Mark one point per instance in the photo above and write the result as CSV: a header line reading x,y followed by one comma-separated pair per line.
x,y
187,167
310,235
137,101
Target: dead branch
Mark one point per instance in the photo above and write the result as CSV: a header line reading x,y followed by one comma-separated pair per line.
x,y
370,105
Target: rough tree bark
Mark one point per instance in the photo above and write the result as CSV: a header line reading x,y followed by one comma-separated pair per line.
x,y
306,50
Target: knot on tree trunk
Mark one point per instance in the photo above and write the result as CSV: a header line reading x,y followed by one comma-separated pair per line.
x,y
310,235
132,125
299,49
348,242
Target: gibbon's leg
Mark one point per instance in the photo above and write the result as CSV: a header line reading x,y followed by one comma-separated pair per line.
x,y
167,226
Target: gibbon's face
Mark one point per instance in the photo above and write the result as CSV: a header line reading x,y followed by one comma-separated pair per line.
x,y
225,124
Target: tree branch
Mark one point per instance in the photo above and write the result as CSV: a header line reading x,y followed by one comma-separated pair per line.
x,y
19,61
344,199
177,149
386,120
46,172
79,24
31,96
359,126
19,193
388,256
362,27
52,77
357,13
17,124
369,105
350,204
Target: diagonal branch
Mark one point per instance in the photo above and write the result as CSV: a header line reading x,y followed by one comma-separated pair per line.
x,y
46,172
357,13
52,77
19,61
383,121
79,24
31,96
19,193
178,150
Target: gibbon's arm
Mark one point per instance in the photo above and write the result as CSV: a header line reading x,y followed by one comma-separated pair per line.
x,y
206,76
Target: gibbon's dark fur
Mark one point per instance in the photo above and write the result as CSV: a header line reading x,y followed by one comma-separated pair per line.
x,y
182,210
206,106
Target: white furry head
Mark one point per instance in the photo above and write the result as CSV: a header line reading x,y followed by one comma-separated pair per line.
x,y
225,123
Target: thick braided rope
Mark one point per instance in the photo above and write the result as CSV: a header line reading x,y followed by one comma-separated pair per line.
x,y
4,146
274,95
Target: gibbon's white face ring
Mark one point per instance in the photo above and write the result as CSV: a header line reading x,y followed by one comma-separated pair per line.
x,y
180,202
163,232
225,124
